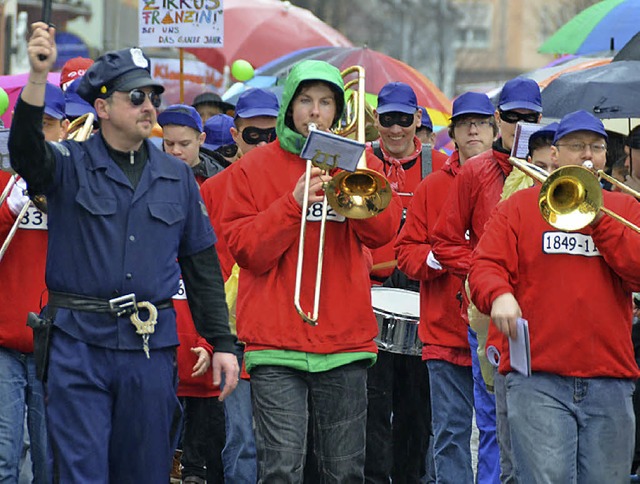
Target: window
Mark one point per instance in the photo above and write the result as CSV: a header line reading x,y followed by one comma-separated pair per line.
x,y
474,25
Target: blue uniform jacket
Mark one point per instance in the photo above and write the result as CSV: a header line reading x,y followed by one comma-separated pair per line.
x,y
107,239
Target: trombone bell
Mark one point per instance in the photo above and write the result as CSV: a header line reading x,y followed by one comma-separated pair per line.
x,y
570,198
359,195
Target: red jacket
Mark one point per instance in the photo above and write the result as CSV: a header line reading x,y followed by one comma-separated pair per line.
x,y
578,302
261,223
214,194
475,192
22,274
413,175
188,386
442,329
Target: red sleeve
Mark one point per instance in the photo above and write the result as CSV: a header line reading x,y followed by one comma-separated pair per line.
x,y
413,244
618,244
450,244
203,344
258,236
494,265
377,231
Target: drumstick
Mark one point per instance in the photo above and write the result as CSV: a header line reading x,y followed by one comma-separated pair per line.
x,y
390,264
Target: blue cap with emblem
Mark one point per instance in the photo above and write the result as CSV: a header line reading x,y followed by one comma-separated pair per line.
x,y
218,132
120,70
181,115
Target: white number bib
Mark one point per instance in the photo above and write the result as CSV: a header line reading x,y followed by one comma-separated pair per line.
x,y
34,219
569,243
182,292
314,214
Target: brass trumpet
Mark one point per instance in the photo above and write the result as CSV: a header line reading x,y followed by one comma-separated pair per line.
x,y
358,195
570,197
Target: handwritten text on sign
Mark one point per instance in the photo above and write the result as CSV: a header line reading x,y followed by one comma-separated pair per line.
x,y
181,23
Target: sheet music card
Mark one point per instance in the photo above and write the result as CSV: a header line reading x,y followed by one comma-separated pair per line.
x,y
331,150
523,131
519,348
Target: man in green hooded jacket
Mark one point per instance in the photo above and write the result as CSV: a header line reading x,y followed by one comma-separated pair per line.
x,y
302,376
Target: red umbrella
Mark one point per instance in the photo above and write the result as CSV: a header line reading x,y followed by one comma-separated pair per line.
x,y
262,30
379,70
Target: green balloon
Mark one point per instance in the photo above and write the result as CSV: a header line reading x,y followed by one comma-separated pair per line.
x,y
242,70
4,101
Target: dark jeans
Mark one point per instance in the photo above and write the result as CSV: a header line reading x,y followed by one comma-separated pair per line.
x,y
203,438
398,419
286,402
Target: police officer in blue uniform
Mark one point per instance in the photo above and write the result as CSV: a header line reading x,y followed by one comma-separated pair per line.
x,y
125,219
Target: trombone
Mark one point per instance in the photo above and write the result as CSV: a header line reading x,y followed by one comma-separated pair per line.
x,y
79,130
571,196
361,194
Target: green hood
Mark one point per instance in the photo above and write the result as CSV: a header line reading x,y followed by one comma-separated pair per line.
x,y
309,70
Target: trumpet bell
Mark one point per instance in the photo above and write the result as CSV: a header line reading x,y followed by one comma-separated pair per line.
x,y
358,195
570,198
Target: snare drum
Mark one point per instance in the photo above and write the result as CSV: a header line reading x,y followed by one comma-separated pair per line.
x,y
398,315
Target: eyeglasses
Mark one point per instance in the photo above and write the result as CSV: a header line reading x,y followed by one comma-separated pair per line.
x,y
252,135
512,117
479,124
228,151
137,97
579,147
401,119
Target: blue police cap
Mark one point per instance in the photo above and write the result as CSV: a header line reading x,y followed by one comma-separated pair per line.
x,y
218,132
181,115
120,70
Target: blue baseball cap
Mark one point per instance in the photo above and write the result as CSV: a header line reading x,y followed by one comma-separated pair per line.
x,y
54,104
426,119
520,93
257,102
119,70
217,129
75,106
181,115
472,103
397,97
547,131
579,121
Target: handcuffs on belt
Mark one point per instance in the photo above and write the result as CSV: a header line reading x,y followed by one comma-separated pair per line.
x,y
127,306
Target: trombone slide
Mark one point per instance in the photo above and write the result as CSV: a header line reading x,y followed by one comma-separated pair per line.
x,y
14,229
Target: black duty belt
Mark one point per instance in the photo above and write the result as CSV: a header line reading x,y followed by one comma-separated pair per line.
x,y
119,306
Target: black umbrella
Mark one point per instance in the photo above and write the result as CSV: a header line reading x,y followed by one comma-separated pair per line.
x,y
608,92
630,51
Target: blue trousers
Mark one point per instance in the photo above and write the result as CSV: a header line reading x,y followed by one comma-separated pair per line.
x,y
286,402
566,429
485,406
113,416
20,392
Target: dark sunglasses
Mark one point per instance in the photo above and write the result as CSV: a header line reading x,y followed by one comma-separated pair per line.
x,y
252,135
513,117
137,96
401,119
228,151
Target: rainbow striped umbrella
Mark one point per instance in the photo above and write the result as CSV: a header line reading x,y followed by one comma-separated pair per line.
x,y
606,25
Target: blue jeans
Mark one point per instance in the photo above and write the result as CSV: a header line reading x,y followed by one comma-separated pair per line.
x,y
569,430
21,391
452,419
485,405
239,453
507,464
332,403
